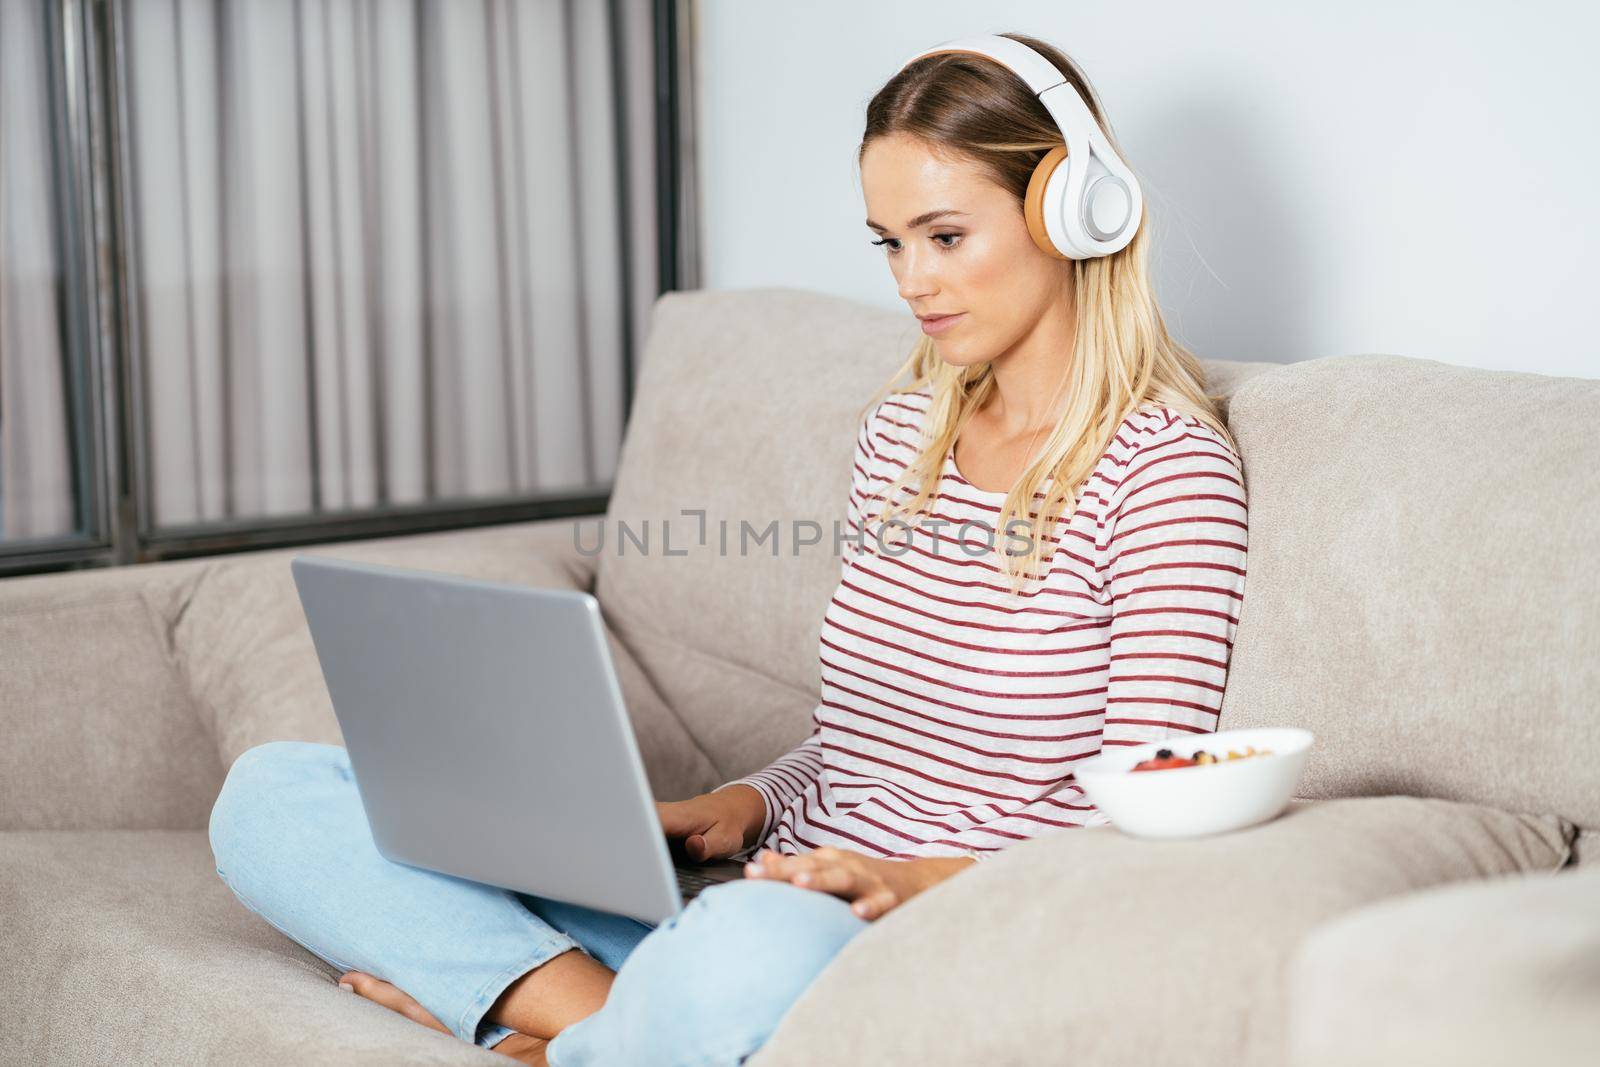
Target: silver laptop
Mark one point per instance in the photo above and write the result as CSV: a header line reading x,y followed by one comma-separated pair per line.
x,y
488,736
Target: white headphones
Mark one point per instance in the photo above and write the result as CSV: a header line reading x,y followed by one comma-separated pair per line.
x,y
1089,207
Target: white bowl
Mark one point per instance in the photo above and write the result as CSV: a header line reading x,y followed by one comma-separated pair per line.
x,y
1206,799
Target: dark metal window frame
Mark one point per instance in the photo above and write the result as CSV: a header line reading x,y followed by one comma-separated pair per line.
x,y
105,375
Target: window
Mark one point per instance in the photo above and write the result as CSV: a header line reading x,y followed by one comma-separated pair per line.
x,y
279,273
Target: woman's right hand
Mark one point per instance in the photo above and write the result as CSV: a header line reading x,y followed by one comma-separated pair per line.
x,y
714,825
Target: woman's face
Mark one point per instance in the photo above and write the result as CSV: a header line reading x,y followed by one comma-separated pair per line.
x,y
979,260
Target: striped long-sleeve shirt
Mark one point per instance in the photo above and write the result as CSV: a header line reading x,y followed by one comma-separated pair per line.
x,y
952,711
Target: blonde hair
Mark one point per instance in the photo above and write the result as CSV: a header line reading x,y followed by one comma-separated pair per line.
x,y
969,107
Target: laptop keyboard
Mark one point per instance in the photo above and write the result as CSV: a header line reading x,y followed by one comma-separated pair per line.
x,y
692,881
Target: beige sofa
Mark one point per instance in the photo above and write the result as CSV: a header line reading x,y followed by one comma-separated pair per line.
x,y
1421,592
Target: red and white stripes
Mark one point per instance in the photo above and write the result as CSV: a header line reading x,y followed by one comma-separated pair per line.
x,y
952,710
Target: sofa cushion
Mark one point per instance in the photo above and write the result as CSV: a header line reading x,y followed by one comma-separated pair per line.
x,y
240,641
1505,970
1091,947
1424,570
748,408
126,947
98,730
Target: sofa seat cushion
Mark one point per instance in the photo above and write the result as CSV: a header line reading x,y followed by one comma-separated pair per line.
x,y
1090,947
1505,970
124,946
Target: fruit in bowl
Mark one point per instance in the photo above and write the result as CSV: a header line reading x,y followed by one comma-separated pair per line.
x,y
1164,759
1207,783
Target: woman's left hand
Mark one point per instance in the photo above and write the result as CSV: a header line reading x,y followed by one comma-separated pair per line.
x,y
873,885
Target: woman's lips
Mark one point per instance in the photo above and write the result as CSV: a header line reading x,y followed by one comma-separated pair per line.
x,y
942,323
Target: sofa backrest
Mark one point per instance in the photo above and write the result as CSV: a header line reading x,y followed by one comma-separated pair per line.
x,y
747,408
1423,575
1423,583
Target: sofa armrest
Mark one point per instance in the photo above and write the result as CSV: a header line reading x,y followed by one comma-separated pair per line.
x,y
99,730
237,634
128,689
1495,971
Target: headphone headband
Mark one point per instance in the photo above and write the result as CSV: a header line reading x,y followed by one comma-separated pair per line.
x,y
1092,205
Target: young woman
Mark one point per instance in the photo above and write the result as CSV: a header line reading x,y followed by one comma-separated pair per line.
x,y
966,664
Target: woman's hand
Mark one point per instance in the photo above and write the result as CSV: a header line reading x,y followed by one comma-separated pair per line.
x,y
714,825
874,886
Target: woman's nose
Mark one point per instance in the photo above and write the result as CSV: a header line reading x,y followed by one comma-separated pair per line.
x,y
916,278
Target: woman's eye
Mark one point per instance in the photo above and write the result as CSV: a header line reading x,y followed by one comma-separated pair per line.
x,y
954,239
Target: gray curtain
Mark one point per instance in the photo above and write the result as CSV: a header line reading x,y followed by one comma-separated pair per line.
x,y
35,452
375,251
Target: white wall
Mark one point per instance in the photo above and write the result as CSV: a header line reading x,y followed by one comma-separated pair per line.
x,y
1414,178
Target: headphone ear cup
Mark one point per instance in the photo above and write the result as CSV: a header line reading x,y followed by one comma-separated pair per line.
x,y
1034,205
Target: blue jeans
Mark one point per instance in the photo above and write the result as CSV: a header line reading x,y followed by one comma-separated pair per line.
x,y
705,987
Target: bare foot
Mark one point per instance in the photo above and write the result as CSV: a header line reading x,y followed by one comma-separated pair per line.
x,y
520,1047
